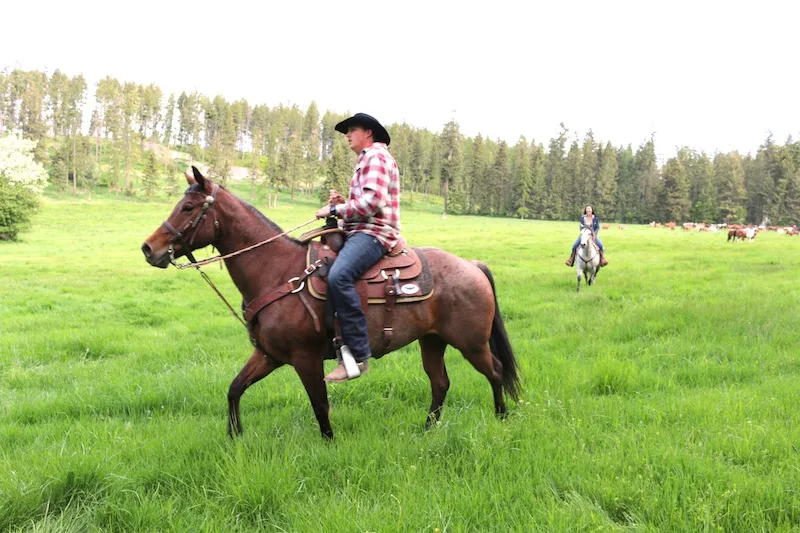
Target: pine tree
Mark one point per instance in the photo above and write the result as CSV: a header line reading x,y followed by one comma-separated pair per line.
x,y
240,117
171,180
605,185
702,188
131,94
32,88
338,169
522,195
450,153
573,194
291,164
311,146
420,160
729,176
169,118
150,177
538,180
646,177
254,171
626,185
792,200
328,133
477,192
586,177
674,195
497,177
555,177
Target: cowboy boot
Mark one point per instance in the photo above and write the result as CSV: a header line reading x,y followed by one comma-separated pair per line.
x,y
603,260
571,261
348,368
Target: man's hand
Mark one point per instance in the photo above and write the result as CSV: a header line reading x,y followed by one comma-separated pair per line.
x,y
335,198
324,212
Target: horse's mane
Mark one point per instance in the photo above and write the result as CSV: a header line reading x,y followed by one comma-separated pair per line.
x,y
267,222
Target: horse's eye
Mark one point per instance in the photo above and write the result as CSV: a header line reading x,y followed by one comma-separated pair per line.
x,y
188,207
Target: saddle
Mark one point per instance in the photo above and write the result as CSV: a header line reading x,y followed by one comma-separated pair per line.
x,y
401,276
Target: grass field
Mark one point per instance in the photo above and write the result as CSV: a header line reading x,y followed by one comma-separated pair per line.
x,y
662,398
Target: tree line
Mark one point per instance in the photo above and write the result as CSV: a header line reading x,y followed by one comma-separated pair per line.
x,y
134,127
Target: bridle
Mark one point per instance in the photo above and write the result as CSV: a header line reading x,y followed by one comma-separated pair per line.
x,y
193,225
590,240
293,286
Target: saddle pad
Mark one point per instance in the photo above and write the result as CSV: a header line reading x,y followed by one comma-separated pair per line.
x,y
415,279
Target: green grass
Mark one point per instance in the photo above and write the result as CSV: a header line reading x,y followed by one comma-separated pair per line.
x,y
663,398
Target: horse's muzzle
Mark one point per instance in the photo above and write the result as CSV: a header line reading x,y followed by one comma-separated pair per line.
x,y
157,260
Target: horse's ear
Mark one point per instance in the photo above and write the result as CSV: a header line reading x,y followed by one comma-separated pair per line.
x,y
199,178
189,177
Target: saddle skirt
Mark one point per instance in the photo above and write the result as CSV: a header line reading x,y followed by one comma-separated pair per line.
x,y
404,277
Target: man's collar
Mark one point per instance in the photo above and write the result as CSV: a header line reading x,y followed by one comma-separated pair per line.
x,y
373,145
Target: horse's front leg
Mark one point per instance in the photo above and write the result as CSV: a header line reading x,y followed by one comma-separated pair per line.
x,y
579,282
310,369
256,368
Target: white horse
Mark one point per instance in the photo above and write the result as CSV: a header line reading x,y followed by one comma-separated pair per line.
x,y
587,258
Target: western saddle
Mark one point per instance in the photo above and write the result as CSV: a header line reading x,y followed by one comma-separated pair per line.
x,y
399,277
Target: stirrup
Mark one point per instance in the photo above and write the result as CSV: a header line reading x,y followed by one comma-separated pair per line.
x,y
349,362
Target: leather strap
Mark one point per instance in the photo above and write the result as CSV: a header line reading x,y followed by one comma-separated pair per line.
x,y
310,311
254,307
391,298
266,299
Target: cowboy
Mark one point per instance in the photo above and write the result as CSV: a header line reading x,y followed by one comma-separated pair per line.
x,y
371,220
588,220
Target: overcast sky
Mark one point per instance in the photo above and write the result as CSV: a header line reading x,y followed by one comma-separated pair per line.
x,y
707,74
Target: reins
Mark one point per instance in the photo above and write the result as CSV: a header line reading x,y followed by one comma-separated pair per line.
x,y
194,225
198,264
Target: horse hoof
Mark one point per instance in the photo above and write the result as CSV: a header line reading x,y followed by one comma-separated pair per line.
x,y
431,423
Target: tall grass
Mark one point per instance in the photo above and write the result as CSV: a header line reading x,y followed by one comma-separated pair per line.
x,y
662,398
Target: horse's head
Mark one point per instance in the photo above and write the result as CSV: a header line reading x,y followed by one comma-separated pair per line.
x,y
586,235
187,228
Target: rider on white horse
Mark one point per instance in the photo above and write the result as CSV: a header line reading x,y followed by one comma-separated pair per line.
x,y
589,220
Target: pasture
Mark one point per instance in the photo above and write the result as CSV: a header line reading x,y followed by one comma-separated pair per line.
x,y
665,397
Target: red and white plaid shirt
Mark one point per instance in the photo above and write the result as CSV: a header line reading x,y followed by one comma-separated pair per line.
x,y
374,203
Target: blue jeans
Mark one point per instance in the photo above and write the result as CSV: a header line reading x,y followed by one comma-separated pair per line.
x,y
359,253
578,241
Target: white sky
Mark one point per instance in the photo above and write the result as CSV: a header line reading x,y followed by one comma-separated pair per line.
x,y
712,75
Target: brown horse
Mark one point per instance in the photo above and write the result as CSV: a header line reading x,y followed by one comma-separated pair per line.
x,y
462,312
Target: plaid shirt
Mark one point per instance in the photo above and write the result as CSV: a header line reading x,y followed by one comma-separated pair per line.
x,y
374,203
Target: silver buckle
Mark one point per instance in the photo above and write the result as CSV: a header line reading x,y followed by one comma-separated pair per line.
x,y
396,274
298,289
312,267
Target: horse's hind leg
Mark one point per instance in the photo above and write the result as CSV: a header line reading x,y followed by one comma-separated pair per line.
x,y
256,368
488,365
433,348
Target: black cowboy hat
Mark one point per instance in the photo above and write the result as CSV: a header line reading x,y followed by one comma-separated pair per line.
x,y
379,133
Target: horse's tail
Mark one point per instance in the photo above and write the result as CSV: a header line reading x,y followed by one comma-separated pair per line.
x,y
500,345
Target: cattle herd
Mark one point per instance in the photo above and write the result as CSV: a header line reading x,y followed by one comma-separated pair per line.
x,y
735,231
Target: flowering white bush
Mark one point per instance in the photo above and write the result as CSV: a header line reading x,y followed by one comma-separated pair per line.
x,y
18,166
21,180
